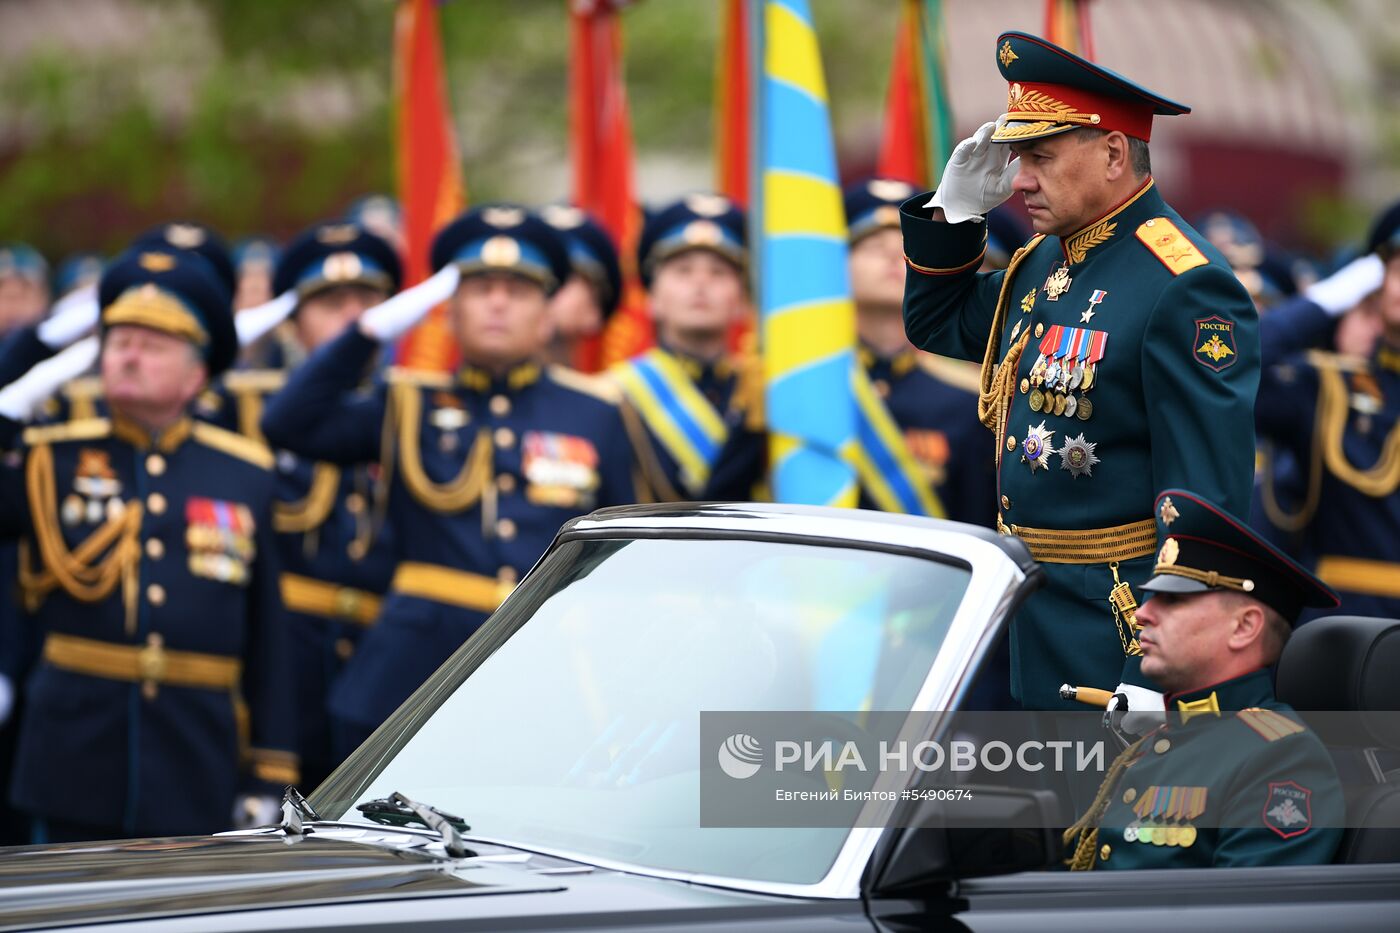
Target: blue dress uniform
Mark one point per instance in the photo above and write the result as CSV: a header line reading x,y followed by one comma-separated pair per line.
x,y
478,470
336,565
1233,778
150,573
1340,419
686,404
1116,361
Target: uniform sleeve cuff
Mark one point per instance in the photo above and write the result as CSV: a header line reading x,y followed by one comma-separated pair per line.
x,y
936,247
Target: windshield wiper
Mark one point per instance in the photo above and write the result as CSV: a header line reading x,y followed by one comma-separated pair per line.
x,y
398,810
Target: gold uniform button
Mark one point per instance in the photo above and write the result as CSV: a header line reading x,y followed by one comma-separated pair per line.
x,y
1150,223
1040,330
344,648
504,437
1105,852
1129,795
155,594
1006,502
505,483
882,388
507,575
155,464
1010,442
155,548
1161,746
354,503
155,504
499,405
505,528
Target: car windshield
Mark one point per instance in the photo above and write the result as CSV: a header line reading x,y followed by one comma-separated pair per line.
x,y
579,733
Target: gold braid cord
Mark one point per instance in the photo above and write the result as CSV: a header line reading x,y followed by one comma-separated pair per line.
x,y
462,491
1380,480
79,572
1086,851
999,381
310,512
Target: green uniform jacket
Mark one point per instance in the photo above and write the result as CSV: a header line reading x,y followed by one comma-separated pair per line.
x,y
1170,404
1253,785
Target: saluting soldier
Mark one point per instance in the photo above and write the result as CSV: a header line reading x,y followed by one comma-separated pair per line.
x,y
1119,353
24,286
1339,416
1232,777
162,689
687,388
586,301
480,467
336,565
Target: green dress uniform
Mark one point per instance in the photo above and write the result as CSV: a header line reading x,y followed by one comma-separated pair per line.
x,y
1116,361
1232,777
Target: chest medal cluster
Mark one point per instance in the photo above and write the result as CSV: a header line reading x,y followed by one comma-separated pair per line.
x,y
1165,815
1068,363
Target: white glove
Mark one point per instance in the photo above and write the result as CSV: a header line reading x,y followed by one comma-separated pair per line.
x,y
387,320
73,316
253,323
7,699
253,810
976,179
1143,710
21,399
1344,289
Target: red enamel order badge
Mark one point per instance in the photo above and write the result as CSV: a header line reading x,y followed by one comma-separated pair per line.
x,y
1288,808
1214,346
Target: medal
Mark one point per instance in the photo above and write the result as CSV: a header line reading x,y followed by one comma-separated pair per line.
x,y
1037,400
1070,405
1077,456
1099,295
1035,448
1025,385
1172,835
1059,404
1015,331
1188,836
1130,832
115,508
1144,833
1085,408
94,511
1087,382
1076,376
1058,282
72,510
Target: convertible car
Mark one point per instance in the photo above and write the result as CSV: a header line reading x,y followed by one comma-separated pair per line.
x,y
547,776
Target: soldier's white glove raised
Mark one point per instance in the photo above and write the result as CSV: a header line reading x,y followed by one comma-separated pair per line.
x,y
392,318
253,810
1142,710
976,179
1344,289
20,400
253,323
73,316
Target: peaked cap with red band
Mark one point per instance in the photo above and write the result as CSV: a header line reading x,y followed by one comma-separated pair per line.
x,y
1053,91
1206,548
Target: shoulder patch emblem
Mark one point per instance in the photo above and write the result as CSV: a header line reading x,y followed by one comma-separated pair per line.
x,y
1170,245
235,445
1214,343
1288,809
1270,725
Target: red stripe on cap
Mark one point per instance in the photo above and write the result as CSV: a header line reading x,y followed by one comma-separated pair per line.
x,y
1133,118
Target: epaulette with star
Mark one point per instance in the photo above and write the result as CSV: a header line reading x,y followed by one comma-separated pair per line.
x,y
1170,245
1270,725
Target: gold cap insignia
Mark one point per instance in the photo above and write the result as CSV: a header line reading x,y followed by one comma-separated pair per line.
x,y
888,189
332,234
1006,55
342,267
1170,549
185,236
702,233
1169,512
562,216
503,217
887,215
500,251
157,262
707,205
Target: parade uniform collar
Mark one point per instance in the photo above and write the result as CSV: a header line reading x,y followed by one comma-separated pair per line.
x,y
1248,691
701,372
512,380
166,441
897,366
1116,225
1387,357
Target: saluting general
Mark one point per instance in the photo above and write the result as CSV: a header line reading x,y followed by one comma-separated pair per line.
x,y
1120,355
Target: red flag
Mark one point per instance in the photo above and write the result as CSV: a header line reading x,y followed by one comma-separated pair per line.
x,y
601,146
1067,25
429,174
903,146
732,91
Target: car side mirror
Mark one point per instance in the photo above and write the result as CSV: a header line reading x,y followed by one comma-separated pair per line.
x,y
994,831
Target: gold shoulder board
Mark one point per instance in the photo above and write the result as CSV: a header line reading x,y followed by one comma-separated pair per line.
x,y
402,375
600,387
1270,725
957,373
255,380
84,429
1170,245
1322,359
235,445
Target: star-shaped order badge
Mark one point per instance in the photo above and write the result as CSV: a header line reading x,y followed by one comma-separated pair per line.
x,y
1036,448
1077,456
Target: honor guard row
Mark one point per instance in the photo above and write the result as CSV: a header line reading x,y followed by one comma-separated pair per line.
x,y
1119,353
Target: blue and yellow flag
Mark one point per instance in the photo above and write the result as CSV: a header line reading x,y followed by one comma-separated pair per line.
x,y
807,318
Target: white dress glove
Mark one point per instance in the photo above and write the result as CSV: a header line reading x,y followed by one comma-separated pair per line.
x,y
253,323
73,316
7,699
20,400
1344,289
1143,711
976,179
388,320
253,810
